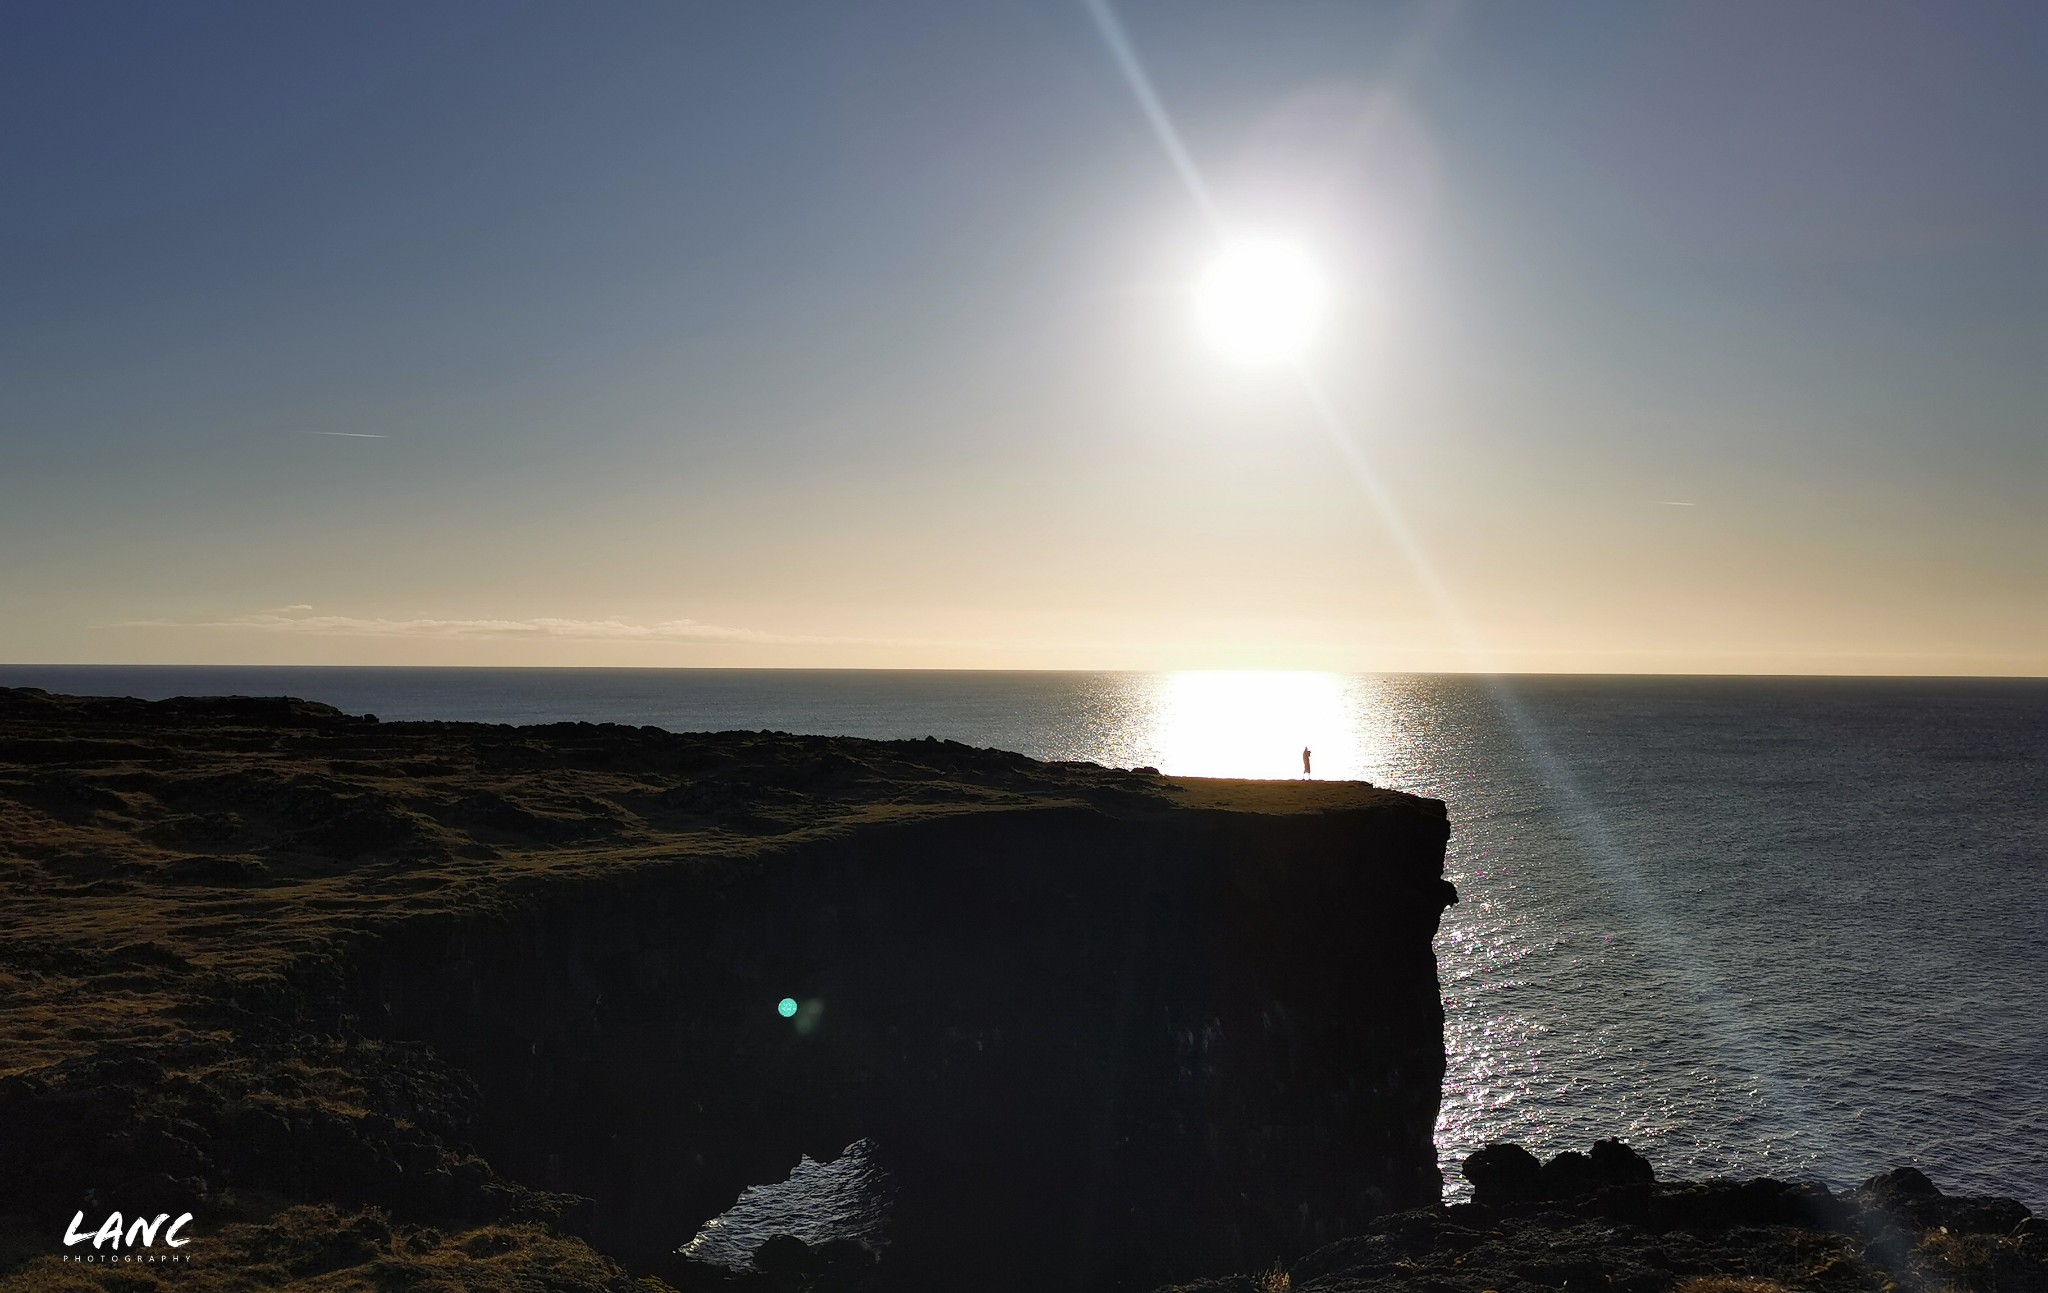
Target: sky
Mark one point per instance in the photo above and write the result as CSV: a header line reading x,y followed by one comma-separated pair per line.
x,y
1680,336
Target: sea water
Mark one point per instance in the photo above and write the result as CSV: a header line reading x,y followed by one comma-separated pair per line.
x,y
1794,927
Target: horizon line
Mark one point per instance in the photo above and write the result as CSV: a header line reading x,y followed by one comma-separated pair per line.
x,y
1383,673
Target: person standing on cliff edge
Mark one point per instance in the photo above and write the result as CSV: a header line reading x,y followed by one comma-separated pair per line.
x,y
1304,761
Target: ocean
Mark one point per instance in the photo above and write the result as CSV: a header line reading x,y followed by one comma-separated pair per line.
x,y
1783,926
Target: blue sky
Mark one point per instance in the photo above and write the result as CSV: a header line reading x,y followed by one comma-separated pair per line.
x,y
827,334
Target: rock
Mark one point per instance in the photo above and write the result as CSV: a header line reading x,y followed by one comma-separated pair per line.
x,y
1616,1164
1715,1236
1504,1173
783,1255
1899,1185
1356,1256
1569,1175
835,1266
1983,1216
214,870
1906,1195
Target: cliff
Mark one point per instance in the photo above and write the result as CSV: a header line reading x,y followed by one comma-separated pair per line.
x,y
389,1003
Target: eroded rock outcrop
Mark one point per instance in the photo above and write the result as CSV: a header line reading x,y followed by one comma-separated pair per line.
x,y
514,989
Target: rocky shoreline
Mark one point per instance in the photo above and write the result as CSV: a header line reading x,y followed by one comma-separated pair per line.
x,y
1601,1220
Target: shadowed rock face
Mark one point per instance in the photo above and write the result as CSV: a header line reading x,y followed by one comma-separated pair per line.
x,y
1118,1027
1140,1044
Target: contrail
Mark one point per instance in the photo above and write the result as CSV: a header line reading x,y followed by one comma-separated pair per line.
x,y
353,435
1671,502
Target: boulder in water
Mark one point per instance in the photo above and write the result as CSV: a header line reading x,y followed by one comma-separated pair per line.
x,y
1504,1173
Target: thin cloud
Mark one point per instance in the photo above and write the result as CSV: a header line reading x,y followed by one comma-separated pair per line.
x,y
1671,502
352,435
297,620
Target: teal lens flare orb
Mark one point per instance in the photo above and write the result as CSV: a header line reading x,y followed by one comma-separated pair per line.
x,y
786,1007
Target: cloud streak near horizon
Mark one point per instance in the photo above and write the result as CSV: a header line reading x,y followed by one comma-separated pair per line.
x,y
297,619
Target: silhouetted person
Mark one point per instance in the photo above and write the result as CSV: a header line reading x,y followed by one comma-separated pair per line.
x,y
1304,760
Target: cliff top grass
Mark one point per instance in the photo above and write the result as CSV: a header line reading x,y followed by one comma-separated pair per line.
x,y
150,850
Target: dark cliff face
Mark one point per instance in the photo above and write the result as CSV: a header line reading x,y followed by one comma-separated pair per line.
x,y
1124,1049
1118,1028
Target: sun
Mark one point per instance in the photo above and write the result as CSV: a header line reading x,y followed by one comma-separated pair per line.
x,y
1260,302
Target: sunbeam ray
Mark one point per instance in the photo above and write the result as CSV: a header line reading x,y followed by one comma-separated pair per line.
x,y
1719,1014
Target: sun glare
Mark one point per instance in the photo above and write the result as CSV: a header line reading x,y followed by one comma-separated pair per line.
x,y
1260,302
1255,723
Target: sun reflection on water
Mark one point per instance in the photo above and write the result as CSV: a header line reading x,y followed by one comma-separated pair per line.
x,y
1255,723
